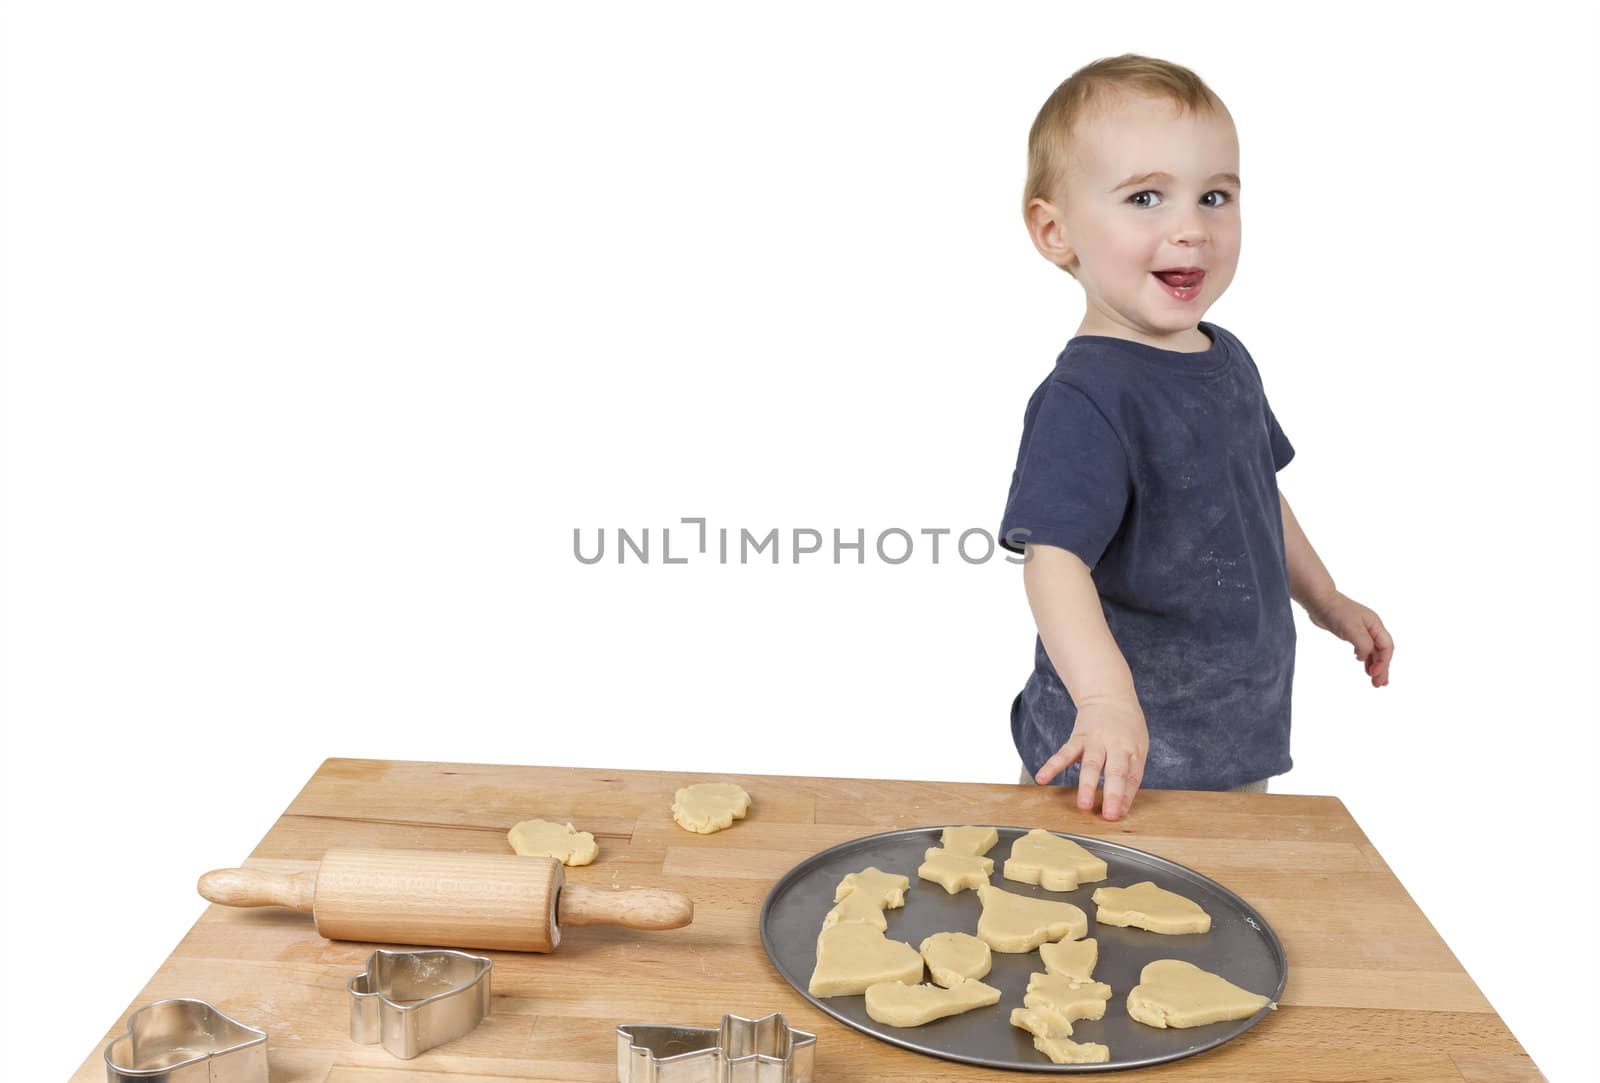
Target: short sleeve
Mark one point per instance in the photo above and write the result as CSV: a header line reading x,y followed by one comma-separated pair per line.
x,y
1072,482
1282,450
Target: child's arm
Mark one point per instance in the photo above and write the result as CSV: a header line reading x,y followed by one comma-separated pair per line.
x,y
1110,731
1312,586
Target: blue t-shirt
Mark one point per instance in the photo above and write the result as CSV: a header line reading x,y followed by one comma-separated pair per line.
x,y
1158,469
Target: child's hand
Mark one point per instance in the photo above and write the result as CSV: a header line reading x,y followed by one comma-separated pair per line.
x,y
1357,625
1110,737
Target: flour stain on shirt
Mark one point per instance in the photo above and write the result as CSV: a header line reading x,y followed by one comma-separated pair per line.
x,y
1221,567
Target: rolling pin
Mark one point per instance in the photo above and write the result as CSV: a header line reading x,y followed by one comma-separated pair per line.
x,y
435,898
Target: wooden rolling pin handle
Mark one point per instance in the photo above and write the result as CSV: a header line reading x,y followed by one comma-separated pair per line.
x,y
641,908
252,887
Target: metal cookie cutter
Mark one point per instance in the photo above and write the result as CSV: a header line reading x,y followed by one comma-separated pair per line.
x,y
412,1001
765,1050
186,1041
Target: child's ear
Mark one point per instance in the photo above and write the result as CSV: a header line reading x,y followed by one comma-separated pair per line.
x,y
1049,233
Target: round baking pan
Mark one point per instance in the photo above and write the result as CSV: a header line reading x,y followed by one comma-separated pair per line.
x,y
1241,947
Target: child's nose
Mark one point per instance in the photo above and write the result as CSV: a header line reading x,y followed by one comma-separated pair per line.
x,y
1190,230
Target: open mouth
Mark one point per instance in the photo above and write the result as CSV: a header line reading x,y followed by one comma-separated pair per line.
x,y
1181,277
1182,283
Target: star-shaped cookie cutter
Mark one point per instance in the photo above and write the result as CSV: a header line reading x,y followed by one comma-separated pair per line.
x,y
412,1001
765,1050
182,1040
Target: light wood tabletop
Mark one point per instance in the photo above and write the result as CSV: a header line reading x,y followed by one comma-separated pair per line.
x,y
1374,994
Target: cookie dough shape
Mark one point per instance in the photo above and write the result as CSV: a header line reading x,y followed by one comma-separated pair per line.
x,y
1071,959
1145,906
887,889
1055,996
1052,862
542,838
1173,993
1055,1045
857,907
955,871
1051,1004
709,806
896,1004
1066,1051
969,840
1040,1024
954,957
852,957
1016,923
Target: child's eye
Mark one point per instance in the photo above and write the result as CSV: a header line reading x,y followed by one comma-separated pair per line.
x,y
1226,197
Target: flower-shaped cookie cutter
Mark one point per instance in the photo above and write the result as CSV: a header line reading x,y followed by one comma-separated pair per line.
x,y
765,1050
411,1001
181,1040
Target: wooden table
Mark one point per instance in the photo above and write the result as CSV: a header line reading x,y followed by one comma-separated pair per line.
x,y
1373,994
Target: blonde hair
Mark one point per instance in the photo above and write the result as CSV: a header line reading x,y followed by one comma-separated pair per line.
x,y
1091,86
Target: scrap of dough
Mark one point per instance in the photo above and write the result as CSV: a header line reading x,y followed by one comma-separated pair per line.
x,y
969,840
859,907
541,838
1052,862
955,871
1145,906
1072,959
1173,993
1051,1027
1065,1051
1016,923
954,957
888,889
1051,994
851,957
896,1004
709,806
1041,1024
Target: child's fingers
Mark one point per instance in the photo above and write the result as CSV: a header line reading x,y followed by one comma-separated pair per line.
x,y
1122,782
1378,666
1380,634
1094,758
1361,640
1064,758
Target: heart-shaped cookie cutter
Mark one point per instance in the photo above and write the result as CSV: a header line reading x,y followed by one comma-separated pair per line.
x,y
181,1040
411,1001
765,1050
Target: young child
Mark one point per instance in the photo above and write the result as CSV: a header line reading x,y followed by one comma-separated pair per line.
x,y
1160,555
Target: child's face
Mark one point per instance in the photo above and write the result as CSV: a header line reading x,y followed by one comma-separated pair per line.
x,y
1118,226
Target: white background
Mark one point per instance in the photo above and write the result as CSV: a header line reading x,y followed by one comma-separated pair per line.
x,y
328,322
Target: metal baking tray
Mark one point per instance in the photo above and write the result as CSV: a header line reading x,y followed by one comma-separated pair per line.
x,y
1241,947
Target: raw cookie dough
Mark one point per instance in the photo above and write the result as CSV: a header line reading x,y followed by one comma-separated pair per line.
x,y
1145,906
897,1004
1017,923
851,957
953,957
542,838
1051,994
1041,1024
1052,862
969,840
955,871
709,806
1066,1051
1072,959
888,889
1173,993
859,907
1051,1004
